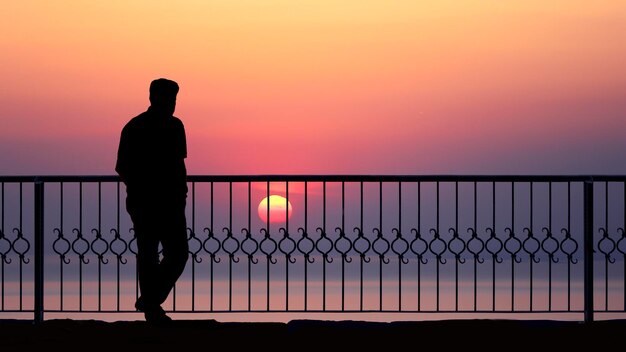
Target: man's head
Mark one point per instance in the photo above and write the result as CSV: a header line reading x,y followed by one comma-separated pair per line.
x,y
163,95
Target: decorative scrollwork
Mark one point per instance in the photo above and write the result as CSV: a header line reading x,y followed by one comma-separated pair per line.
x,y
245,246
378,242
621,243
400,246
362,245
287,245
21,246
306,245
96,242
76,246
437,246
569,246
338,244
319,245
211,240
61,246
7,248
475,245
606,245
492,241
531,245
118,241
512,245
268,241
195,240
550,245
132,245
230,239
419,246
456,242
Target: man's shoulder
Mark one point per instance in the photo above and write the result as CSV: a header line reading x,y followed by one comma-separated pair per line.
x,y
136,121
177,121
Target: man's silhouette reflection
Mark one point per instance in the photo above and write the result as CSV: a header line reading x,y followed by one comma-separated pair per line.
x,y
151,163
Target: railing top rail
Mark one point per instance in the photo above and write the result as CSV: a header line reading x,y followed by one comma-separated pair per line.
x,y
334,178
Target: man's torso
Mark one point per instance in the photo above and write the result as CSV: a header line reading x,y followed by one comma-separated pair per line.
x,y
152,153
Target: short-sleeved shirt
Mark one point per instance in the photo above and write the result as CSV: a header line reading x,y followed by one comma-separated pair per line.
x,y
150,158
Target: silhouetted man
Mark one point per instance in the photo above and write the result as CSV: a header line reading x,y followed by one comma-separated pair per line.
x,y
151,162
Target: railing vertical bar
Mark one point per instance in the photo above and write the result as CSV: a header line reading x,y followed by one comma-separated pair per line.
x,y
623,236
267,227
513,256
19,234
419,260
438,258
530,260
550,257
2,259
21,204
287,234
61,258
475,257
306,231
380,259
362,257
230,260
99,259
399,257
212,261
588,242
136,267
117,228
80,260
343,259
400,206
324,257
39,252
249,229
193,261
606,257
456,261
494,257
569,263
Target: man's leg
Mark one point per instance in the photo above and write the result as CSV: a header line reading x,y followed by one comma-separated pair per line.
x,y
148,266
147,262
173,237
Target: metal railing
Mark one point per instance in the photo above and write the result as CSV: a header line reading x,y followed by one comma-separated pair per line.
x,y
345,243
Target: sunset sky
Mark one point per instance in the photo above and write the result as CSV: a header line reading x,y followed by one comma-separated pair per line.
x,y
320,87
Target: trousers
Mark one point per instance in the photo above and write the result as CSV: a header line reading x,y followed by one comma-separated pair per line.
x,y
155,224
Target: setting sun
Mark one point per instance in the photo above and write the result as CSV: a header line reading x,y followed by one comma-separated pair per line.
x,y
278,206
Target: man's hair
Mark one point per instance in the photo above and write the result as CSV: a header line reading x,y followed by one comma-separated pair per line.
x,y
161,87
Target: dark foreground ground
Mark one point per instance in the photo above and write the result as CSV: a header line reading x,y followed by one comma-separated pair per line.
x,y
492,335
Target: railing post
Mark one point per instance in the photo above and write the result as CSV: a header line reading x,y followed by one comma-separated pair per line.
x,y
39,228
588,246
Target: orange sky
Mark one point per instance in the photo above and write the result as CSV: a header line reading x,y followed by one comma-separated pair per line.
x,y
324,86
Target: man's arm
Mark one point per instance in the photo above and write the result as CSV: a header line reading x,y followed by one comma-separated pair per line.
x,y
183,155
123,151
183,140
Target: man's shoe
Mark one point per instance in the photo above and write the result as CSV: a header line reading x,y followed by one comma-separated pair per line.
x,y
153,315
157,316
